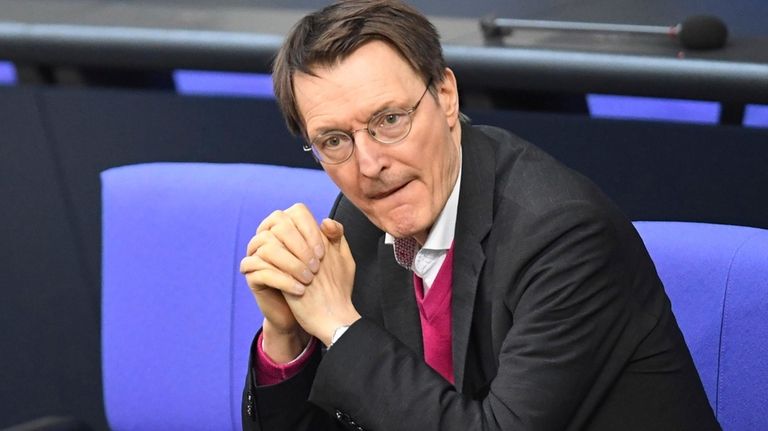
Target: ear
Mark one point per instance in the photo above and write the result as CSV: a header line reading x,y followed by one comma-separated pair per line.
x,y
448,95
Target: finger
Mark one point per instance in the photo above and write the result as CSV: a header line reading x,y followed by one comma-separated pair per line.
x,y
296,229
307,225
289,234
253,263
263,239
274,279
334,232
283,260
270,221
332,229
288,237
257,241
256,263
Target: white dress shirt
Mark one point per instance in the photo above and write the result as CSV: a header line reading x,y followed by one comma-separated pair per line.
x,y
431,255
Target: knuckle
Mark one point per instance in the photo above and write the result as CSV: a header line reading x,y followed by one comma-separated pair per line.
x,y
265,237
297,207
263,252
260,239
254,280
271,219
251,263
252,245
280,229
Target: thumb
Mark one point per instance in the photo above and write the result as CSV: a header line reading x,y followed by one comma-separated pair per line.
x,y
333,230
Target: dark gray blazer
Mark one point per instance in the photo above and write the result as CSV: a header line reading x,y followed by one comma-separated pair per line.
x,y
559,319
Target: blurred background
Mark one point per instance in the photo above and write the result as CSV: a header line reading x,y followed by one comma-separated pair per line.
x,y
668,132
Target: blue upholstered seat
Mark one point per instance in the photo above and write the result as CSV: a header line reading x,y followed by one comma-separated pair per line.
x,y
177,317
717,279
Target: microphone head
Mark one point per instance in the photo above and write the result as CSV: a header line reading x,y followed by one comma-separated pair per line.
x,y
491,30
703,32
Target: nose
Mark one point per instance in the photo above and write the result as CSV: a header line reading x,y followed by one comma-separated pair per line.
x,y
369,154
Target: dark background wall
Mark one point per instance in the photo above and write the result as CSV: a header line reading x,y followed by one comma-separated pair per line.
x,y
54,141
747,16
53,145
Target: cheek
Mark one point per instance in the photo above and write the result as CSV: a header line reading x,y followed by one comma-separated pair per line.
x,y
345,178
443,172
346,183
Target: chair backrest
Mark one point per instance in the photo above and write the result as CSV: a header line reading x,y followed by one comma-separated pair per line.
x,y
717,279
177,316
178,319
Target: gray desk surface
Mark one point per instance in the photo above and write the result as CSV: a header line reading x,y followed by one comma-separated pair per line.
x,y
245,38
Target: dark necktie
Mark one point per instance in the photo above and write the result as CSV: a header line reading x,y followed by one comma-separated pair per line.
x,y
405,252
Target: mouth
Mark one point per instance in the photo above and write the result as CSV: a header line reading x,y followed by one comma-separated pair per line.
x,y
388,193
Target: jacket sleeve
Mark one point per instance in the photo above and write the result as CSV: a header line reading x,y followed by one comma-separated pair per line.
x,y
283,406
570,302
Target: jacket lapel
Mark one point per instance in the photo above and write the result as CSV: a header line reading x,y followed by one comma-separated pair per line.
x,y
473,222
398,301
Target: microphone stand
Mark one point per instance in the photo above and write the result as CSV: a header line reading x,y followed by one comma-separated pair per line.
x,y
496,28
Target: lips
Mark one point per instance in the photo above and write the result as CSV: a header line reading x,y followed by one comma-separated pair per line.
x,y
388,192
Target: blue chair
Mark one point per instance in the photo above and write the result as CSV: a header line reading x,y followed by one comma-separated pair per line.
x,y
177,317
717,279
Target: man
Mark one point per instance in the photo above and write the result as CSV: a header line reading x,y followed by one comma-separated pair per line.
x,y
530,303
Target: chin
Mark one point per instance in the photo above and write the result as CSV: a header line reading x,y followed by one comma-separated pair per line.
x,y
404,228
402,222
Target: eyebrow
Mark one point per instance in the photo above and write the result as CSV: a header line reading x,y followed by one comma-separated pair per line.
x,y
383,107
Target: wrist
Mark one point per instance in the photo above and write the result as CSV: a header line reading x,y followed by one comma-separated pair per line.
x,y
334,330
337,335
283,347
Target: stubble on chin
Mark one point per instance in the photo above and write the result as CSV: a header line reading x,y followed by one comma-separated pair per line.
x,y
404,223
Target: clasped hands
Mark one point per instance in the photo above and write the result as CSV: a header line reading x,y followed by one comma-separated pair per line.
x,y
301,275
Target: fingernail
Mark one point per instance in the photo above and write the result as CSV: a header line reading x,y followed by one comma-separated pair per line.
x,y
307,275
319,251
314,264
298,288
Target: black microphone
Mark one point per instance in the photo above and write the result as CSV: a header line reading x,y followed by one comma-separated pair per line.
x,y
696,32
702,32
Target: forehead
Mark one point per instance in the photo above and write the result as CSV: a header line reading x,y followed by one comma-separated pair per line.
x,y
373,77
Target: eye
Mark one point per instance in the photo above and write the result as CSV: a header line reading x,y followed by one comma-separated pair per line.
x,y
331,141
392,118
389,120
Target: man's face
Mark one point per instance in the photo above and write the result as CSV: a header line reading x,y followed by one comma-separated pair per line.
x,y
400,187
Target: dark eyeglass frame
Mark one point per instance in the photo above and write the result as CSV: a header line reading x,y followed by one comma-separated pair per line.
x,y
318,155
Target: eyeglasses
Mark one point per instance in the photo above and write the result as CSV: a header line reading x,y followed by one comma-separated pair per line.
x,y
387,127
